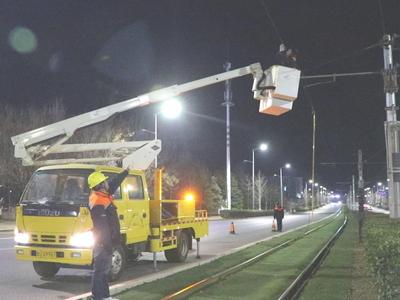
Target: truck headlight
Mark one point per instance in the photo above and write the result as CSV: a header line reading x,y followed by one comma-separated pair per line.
x,y
21,237
82,239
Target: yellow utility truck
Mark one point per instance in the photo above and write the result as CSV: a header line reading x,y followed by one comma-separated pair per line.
x,y
53,220
53,226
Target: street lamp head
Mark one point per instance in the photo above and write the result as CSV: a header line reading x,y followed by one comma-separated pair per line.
x,y
316,184
287,166
171,109
263,147
379,183
310,181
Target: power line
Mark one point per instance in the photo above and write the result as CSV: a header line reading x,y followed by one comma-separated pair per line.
x,y
346,56
334,75
271,21
382,17
351,163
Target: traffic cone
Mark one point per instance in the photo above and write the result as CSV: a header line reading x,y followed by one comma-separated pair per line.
x,y
273,225
232,228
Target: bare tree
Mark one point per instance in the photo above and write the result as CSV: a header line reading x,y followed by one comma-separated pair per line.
x,y
15,121
260,183
246,185
118,128
272,195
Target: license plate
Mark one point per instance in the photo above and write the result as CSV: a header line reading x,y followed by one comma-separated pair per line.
x,y
46,254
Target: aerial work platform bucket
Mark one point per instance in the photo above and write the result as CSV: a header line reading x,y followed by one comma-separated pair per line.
x,y
282,84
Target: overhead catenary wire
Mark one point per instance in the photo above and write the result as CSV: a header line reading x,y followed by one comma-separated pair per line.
x,y
382,17
272,21
343,57
334,75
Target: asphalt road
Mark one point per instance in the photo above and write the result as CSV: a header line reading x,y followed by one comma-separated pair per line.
x,y
19,281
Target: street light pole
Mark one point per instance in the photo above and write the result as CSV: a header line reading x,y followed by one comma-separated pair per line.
x,y
287,166
252,176
228,103
280,172
155,136
262,147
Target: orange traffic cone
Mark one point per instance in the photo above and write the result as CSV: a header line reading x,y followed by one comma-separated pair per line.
x,y
232,228
273,225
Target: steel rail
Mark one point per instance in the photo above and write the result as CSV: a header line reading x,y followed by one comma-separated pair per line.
x,y
297,286
201,284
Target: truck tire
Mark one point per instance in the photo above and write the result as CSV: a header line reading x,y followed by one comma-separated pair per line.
x,y
180,253
45,269
118,263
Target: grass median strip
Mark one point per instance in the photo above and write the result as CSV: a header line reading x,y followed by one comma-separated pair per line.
x,y
159,288
270,277
333,279
344,274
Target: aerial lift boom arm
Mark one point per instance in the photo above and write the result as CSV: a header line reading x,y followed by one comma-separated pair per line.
x,y
28,145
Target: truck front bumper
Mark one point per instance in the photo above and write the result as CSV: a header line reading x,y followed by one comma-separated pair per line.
x,y
73,256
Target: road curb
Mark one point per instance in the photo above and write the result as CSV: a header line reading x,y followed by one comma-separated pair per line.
x,y
129,284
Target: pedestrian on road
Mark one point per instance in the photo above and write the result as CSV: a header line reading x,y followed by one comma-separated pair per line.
x,y
106,228
279,214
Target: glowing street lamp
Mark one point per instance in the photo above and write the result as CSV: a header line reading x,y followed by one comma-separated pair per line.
x,y
170,109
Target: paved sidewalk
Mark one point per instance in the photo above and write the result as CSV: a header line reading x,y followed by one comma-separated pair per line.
x,y
214,218
6,225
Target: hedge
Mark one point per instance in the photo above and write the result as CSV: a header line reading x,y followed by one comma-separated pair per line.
x,y
383,251
244,213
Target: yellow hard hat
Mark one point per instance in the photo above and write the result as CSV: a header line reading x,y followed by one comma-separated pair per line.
x,y
95,179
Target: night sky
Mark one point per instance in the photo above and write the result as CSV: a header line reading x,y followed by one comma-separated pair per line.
x,y
94,53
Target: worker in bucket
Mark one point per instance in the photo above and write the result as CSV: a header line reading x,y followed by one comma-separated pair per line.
x,y
279,214
106,228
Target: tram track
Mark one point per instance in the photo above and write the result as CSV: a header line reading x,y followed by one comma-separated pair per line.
x,y
293,289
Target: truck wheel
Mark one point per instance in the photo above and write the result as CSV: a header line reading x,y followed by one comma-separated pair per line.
x,y
118,263
45,269
180,253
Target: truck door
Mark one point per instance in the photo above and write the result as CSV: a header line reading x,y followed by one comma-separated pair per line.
x,y
121,208
137,209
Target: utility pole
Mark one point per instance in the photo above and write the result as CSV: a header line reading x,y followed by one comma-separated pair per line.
x,y
228,103
259,190
360,196
313,163
353,192
392,127
156,137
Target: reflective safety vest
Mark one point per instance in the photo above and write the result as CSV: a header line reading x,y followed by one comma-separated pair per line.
x,y
100,198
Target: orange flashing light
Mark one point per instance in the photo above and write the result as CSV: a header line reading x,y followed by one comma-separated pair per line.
x,y
189,197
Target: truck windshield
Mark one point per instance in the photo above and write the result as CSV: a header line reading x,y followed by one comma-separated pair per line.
x,y
67,186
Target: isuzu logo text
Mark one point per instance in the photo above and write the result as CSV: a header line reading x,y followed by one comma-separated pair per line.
x,y
49,212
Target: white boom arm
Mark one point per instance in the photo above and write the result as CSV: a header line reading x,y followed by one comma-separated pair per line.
x,y
28,145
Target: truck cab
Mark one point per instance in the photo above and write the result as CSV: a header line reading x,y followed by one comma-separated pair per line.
x,y
53,228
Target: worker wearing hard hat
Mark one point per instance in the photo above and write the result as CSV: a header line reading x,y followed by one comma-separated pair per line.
x,y
106,228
